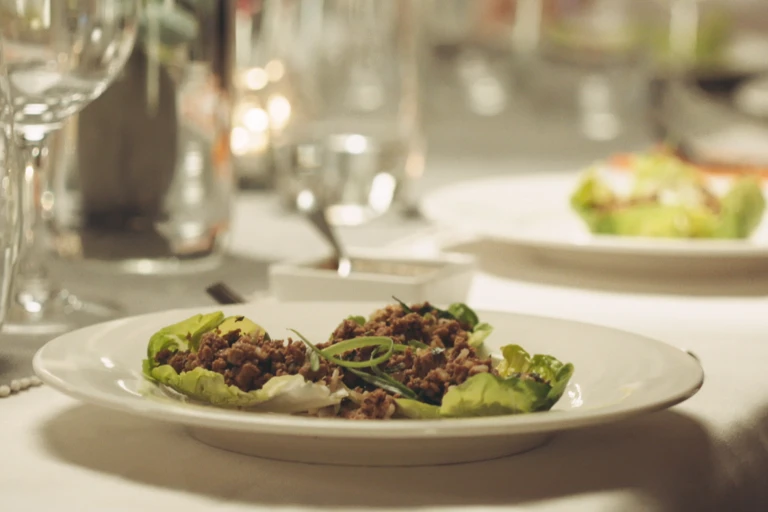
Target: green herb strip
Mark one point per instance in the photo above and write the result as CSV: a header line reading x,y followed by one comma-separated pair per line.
x,y
380,379
347,345
392,382
386,383
314,361
405,307
417,344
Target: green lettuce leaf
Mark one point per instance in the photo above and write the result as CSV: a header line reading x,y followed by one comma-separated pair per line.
x,y
546,367
463,314
479,334
285,394
184,335
359,320
488,395
559,383
515,359
417,410
658,173
673,203
511,392
242,324
741,209
591,192
660,221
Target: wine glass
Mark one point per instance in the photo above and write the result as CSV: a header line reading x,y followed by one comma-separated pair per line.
x,y
60,56
10,194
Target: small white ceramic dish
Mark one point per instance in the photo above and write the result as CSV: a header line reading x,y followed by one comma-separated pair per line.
x,y
532,211
618,375
376,276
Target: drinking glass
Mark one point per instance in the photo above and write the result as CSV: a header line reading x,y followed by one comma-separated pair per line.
x,y
342,104
10,194
585,59
60,55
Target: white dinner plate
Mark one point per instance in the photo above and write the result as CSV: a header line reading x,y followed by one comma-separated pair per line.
x,y
533,211
618,375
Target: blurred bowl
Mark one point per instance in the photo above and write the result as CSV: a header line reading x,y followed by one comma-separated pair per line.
x,y
376,276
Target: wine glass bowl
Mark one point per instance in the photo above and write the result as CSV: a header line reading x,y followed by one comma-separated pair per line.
x,y
62,55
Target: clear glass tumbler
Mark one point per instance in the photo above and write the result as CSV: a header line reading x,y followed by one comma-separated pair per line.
x,y
342,103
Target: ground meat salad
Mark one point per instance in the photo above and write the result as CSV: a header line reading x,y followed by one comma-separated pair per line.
x,y
246,361
402,358
444,360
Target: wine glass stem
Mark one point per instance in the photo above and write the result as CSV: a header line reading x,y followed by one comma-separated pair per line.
x,y
32,280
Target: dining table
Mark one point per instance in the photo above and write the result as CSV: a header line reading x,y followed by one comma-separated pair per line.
x,y
709,453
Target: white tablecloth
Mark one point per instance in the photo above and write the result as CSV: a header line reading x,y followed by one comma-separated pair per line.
x,y
710,453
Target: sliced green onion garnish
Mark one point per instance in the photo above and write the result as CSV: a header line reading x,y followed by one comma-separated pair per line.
x,y
375,368
417,344
394,384
403,304
314,361
387,384
315,351
355,343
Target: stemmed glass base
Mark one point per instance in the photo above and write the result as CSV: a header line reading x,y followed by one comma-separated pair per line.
x,y
36,308
38,305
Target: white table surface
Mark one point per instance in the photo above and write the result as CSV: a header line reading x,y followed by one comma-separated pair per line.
x,y
709,453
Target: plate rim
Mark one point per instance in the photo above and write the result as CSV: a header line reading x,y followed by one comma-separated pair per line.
x,y
598,244
274,423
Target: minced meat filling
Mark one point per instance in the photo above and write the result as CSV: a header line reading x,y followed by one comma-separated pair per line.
x,y
431,373
375,405
249,362
402,327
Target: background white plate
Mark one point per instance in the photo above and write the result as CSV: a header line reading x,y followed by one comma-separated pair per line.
x,y
618,375
533,211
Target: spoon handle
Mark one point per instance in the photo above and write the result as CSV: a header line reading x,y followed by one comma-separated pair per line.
x,y
344,264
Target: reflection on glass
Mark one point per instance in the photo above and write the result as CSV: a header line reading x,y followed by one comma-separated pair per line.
x,y
343,105
10,195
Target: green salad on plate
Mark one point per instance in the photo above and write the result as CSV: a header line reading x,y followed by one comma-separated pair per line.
x,y
662,196
402,361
